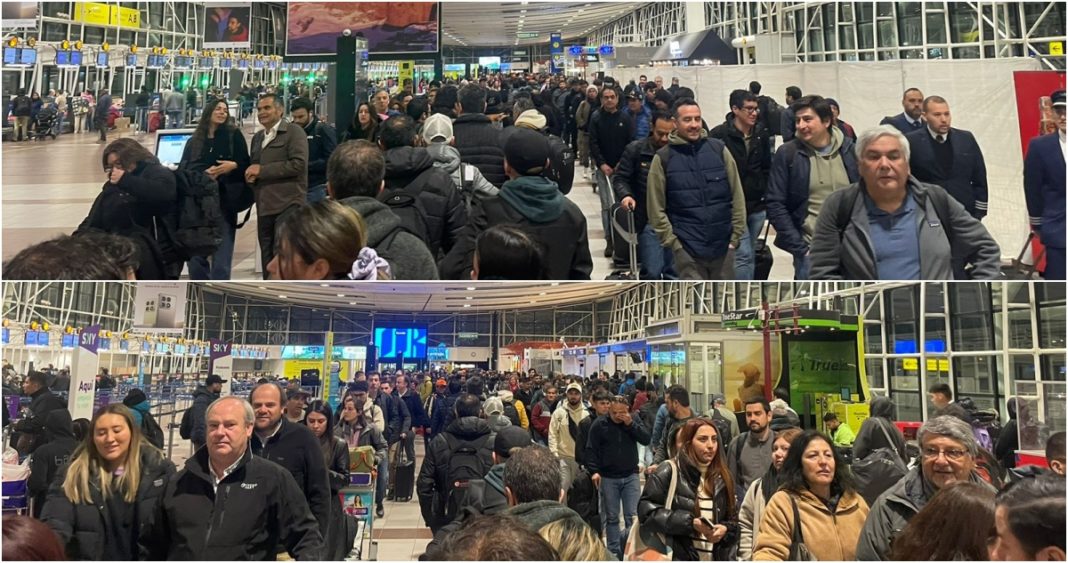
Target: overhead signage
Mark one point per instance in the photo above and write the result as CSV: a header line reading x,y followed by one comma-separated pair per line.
x,y
527,35
83,375
160,306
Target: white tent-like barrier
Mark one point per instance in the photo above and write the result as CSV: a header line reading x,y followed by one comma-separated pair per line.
x,y
980,93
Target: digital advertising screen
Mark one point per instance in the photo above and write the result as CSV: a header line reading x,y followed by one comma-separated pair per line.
x,y
312,28
42,338
227,25
393,342
31,337
490,63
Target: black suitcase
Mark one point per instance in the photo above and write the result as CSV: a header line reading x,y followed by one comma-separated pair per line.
x,y
763,260
624,244
404,480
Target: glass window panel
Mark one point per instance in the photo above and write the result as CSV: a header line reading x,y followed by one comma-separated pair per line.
x,y
887,37
1021,369
905,374
976,375
908,406
873,338
1052,24
910,31
884,8
963,22
966,52
1051,326
863,10
873,367
866,39
845,37
936,28
1052,367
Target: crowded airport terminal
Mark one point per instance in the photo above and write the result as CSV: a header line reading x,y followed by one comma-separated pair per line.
x,y
583,140
598,421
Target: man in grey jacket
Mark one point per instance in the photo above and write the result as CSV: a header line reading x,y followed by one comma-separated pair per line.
x,y
890,226
278,173
947,455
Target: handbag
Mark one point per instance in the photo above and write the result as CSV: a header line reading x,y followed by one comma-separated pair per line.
x,y
879,470
798,550
652,547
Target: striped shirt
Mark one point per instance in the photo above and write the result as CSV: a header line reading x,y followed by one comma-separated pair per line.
x,y
707,507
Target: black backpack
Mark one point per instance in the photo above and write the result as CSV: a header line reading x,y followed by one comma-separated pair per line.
x,y
466,464
150,428
770,114
186,428
22,106
199,229
723,428
405,203
880,469
561,164
512,414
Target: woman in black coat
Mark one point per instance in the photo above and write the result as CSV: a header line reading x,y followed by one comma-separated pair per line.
x,y
342,531
99,503
702,523
218,149
139,201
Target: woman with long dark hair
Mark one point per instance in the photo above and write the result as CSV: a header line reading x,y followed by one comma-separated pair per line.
x,y
955,525
99,503
364,124
702,523
816,501
320,419
760,492
218,149
138,201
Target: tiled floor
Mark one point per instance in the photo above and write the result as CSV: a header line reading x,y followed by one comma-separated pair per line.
x,y
49,186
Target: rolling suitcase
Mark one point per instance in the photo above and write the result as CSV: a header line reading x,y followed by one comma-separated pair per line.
x,y
763,259
404,481
624,235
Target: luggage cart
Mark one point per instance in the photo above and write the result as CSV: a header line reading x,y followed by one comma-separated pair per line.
x,y
14,491
358,501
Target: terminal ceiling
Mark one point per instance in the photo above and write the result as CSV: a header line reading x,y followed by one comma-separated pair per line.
x,y
498,23
452,297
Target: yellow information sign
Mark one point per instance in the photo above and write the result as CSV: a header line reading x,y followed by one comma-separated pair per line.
x,y
292,368
406,71
95,13
1056,47
125,17
913,364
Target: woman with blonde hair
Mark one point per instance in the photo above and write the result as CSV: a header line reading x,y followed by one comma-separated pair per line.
x,y
325,241
575,539
102,498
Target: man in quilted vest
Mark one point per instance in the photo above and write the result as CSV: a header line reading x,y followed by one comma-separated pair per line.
x,y
695,200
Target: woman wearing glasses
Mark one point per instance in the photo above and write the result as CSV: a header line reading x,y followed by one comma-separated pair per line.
x,y
817,506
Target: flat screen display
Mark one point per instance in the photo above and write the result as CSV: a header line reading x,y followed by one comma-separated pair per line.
x,y
27,56
62,58
10,55
76,58
257,64
101,59
103,344
393,342
31,338
312,28
490,63
226,63
69,341
170,146
206,62
5,336
42,338
131,60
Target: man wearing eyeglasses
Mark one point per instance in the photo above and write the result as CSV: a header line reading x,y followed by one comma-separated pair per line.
x,y
750,146
947,455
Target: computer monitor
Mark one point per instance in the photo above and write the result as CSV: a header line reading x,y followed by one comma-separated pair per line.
x,y
76,58
10,54
131,60
170,143
62,58
102,59
27,57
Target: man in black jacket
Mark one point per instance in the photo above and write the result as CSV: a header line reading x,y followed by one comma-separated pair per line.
x,y
468,435
476,137
629,182
355,175
748,144
53,454
534,204
293,446
410,171
268,513
613,463
610,131
949,157
601,400
203,396
406,392
31,429
322,140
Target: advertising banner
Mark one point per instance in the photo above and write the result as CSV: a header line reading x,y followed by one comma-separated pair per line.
x,y
820,366
329,381
221,363
743,371
1034,108
406,74
160,307
227,25
84,366
19,15
556,50
312,28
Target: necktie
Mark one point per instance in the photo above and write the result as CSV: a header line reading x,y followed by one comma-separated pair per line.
x,y
941,139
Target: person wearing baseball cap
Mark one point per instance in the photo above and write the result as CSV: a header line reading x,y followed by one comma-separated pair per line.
x,y
203,396
1044,188
534,204
440,144
639,114
561,441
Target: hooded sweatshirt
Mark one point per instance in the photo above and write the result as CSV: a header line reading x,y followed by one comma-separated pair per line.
x,y
447,158
828,175
408,257
139,410
534,197
561,442
870,437
53,454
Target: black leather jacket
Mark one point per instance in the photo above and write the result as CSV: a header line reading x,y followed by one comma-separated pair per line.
x,y
677,524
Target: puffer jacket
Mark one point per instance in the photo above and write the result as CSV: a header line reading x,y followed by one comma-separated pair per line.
x,y
749,515
677,524
408,257
892,511
50,457
479,143
447,158
830,536
871,438
202,398
83,528
432,484
413,168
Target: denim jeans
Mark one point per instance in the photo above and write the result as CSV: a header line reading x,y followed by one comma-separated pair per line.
x,y
801,266
383,480
656,261
608,197
221,262
174,119
745,257
615,493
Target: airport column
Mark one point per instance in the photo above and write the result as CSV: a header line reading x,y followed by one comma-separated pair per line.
x,y
342,83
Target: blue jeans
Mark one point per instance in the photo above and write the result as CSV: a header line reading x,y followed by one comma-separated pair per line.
x,y
174,119
657,262
745,257
801,266
608,197
221,262
614,493
142,119
383,480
